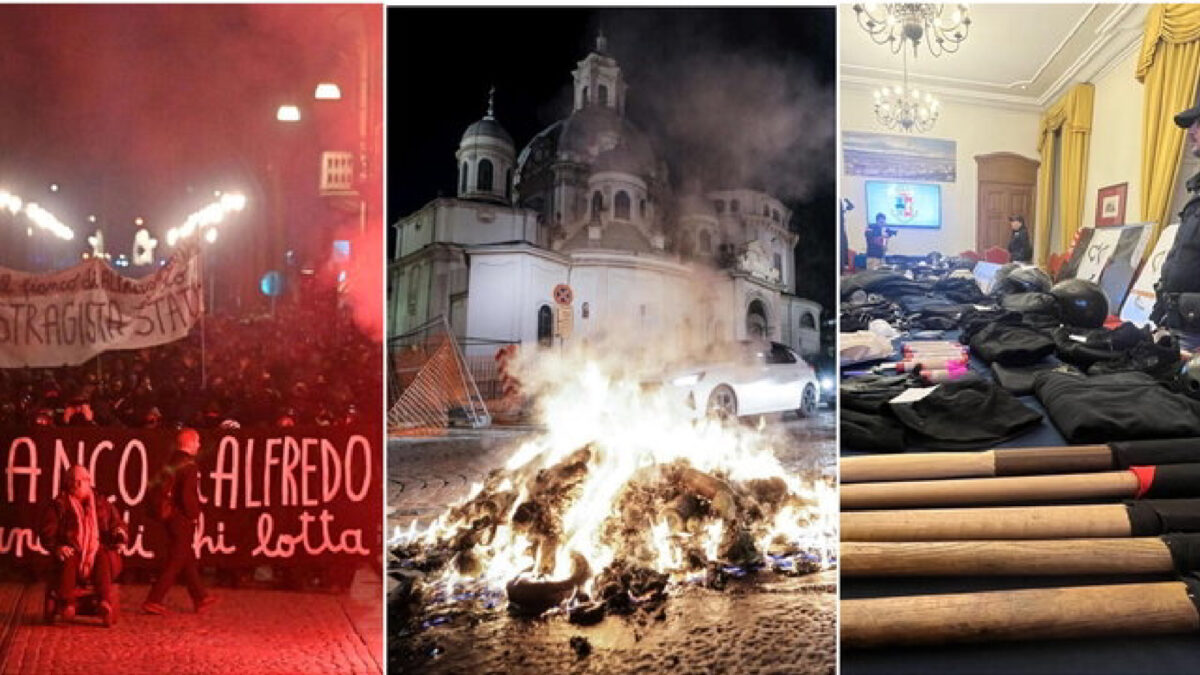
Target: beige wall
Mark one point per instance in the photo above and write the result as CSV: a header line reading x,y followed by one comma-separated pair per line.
x,y
1116,146
978,130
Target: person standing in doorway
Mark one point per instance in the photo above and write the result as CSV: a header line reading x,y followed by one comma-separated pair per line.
x,y
1020,248
178,506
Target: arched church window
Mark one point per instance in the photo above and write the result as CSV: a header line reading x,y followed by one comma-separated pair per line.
x,y
705,242
545,326
719,205
602,94
484,180
463,181
621,205
597,204
807,321
734,206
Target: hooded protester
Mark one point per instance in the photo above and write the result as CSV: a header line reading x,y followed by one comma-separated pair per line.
x,y
179,508
82,532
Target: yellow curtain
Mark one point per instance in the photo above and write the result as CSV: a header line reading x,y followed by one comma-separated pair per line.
x,y
1070,115
1168,66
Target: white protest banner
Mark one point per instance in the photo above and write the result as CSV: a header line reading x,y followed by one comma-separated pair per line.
x,y
1141,299
65,318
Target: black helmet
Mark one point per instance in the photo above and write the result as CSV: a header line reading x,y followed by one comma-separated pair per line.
x,y
1000,278
1189,377
1081,303
1029,280
1021,279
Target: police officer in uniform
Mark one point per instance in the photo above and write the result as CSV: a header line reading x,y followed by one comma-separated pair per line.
x,y
1178,287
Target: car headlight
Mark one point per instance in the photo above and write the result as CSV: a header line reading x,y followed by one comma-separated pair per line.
x,y
687,380
827,383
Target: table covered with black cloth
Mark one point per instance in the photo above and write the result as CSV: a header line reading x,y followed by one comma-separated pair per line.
x,y
1160,654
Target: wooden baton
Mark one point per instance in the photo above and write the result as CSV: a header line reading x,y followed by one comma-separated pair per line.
x,y
1019,461
987,463
1032,614
1134,518
1141,555
1004,522
1172,480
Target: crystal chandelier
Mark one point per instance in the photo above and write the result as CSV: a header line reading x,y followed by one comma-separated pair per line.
x,y
894,23
899,107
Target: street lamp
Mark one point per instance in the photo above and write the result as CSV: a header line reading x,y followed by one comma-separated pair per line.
x,y
288,113
327,91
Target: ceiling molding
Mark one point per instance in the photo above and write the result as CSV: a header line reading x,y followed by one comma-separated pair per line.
x,y
1117,35
1021,84
1109,32
1007,101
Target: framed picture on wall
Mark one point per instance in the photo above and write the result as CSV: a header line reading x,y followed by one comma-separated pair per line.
x,y
1110,205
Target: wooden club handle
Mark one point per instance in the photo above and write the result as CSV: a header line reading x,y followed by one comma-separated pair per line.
x,y
1003,522
1033,614
1143,555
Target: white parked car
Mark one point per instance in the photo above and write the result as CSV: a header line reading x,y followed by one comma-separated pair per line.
x,y
753,378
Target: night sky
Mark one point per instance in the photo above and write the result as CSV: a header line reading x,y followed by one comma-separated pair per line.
x,y
145,110
734,98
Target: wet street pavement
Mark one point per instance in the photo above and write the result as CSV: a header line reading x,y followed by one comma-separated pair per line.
x,y
771,624
248,631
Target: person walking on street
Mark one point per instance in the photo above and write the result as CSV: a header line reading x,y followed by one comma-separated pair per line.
x,y
179,508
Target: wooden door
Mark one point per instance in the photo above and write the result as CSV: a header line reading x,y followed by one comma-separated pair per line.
x,y
1007,186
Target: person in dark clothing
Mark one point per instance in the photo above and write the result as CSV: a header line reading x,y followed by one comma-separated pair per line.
x,y
181,491
877,235
1020,248
1178,287
82,532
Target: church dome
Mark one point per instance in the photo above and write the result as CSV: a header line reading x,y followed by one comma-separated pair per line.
x,y
596,137
488,126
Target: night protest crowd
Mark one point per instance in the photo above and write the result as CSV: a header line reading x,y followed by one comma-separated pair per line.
x,y
306,365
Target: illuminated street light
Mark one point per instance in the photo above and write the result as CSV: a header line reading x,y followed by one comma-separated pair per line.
x,y
10,202
46,221
92,218
288,113
138,221
42,218
54,187
207,218
327,91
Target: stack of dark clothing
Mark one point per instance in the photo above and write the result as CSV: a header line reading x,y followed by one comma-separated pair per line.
x,y
960,415
1116,407
907,304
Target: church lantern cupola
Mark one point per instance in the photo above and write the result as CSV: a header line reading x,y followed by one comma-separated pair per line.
x,y
486,157
598,80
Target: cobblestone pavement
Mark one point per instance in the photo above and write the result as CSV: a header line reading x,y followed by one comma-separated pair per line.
x,y
248,631
770,625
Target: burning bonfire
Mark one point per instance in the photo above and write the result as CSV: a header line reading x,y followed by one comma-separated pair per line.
x,y
624,496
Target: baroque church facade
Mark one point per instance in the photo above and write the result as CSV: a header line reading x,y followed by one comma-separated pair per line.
x,y
587,204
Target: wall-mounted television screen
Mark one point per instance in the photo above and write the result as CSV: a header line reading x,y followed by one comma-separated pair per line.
x,y
905,204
